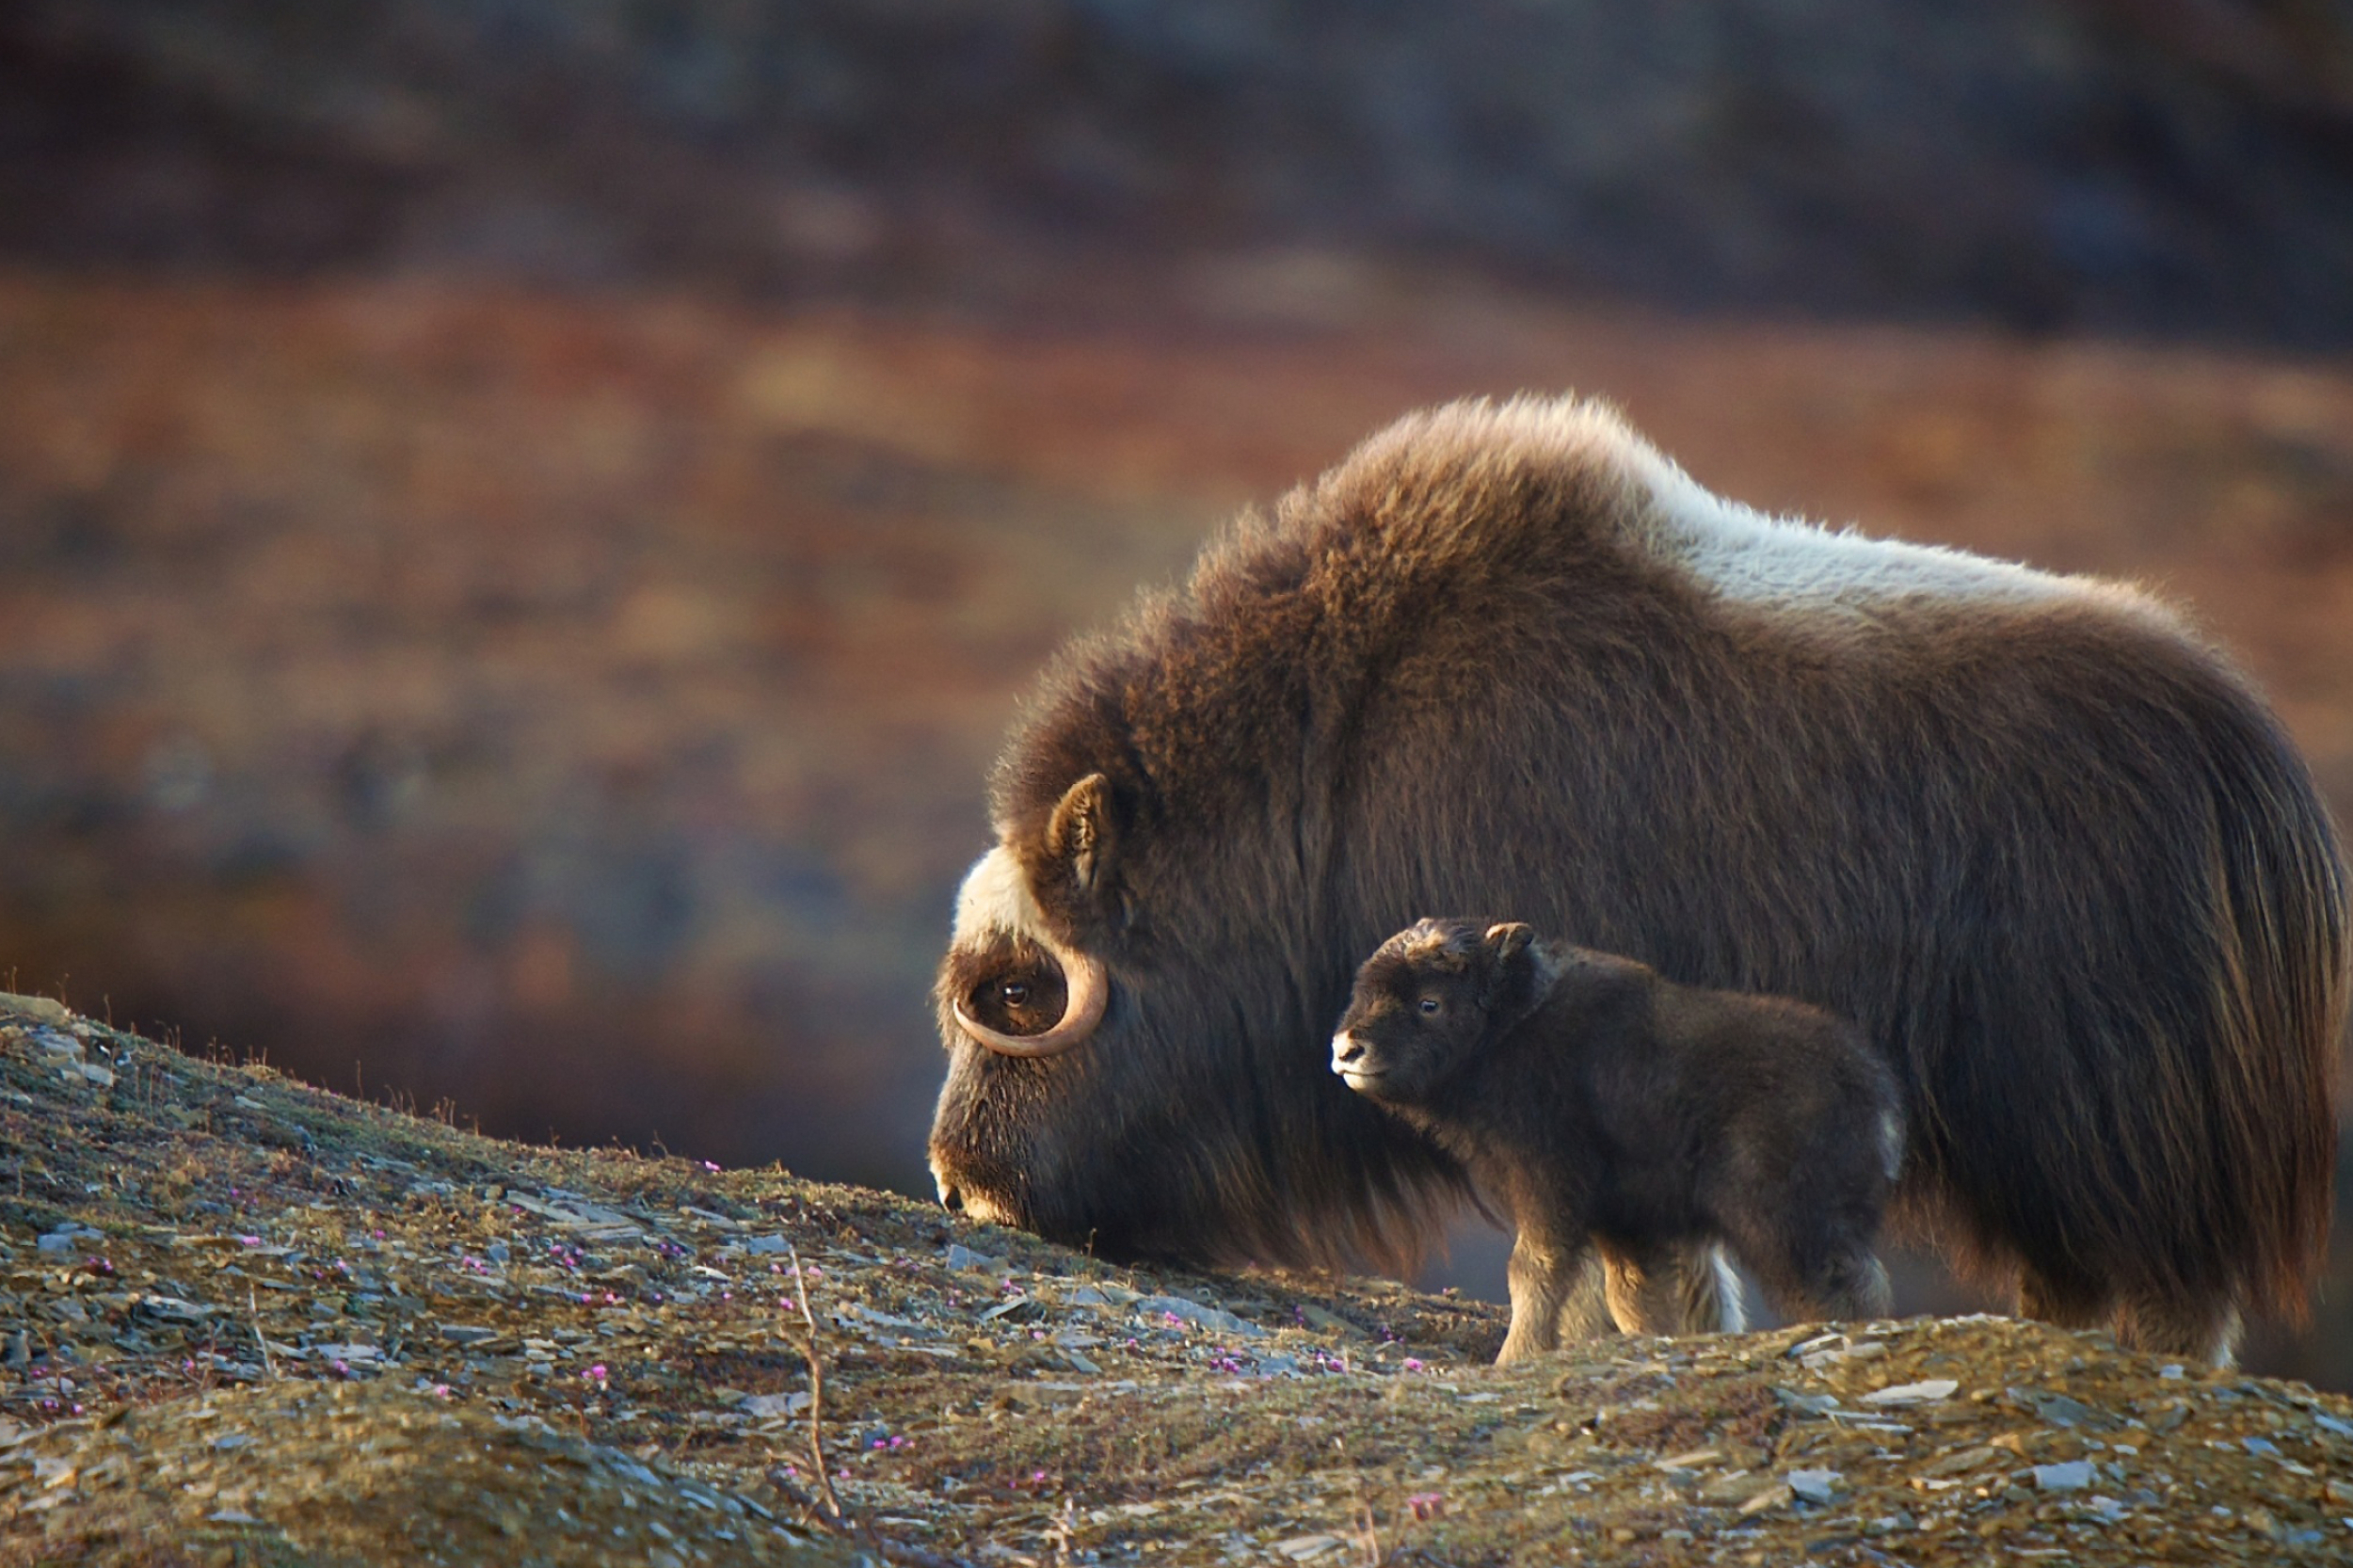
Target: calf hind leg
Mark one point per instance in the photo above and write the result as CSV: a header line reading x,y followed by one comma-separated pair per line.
x,y
1710,1293
1852,1288
1685,1288
1827,1274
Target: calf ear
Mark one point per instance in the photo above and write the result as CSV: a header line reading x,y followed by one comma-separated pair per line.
x,y
1507,981
1080,833
1508,939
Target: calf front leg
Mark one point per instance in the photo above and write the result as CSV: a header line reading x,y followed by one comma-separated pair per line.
x,y
1542,1273
1587,1315
1705,1299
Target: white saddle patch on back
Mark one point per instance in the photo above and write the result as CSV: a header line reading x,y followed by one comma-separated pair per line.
x,y
1740,553
1745,554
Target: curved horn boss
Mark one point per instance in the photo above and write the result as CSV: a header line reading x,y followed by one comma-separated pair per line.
x,y
1006,947
1087,988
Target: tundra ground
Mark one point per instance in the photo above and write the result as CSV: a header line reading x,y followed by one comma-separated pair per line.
x,y
246,1321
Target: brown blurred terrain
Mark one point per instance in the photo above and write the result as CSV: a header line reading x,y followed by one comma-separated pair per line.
x,y
521,527
2175,167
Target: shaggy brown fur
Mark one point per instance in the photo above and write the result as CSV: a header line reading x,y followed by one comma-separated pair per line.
x,y
1605,1106
2047,848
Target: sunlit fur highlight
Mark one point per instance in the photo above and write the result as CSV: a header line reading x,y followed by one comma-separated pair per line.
x,y
2045,844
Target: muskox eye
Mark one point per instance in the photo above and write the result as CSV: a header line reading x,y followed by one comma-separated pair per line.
x,y
1432,1007
1015,993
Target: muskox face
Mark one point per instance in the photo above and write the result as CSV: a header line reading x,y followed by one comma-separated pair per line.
x,y
1124,1046
1026,1007
1426,1003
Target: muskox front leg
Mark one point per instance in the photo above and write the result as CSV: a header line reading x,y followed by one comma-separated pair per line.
x,y
1543,1272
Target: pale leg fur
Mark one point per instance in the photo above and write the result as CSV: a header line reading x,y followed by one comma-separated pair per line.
x,y
1587,1314
1542,1273
1705,1299
1687,1289
1711,1298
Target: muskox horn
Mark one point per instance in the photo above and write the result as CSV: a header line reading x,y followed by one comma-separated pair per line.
x,y
1089,992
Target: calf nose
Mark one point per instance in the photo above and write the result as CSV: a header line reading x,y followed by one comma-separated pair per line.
x,y
1346,1053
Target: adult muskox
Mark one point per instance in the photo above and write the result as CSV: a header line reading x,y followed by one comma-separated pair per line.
x,y
2041,841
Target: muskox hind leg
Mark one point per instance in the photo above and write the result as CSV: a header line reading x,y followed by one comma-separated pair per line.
x,y
2196,1327
2204,1331
2062,1304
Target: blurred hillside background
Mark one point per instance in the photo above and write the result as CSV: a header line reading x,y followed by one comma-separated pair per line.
x,y
521,523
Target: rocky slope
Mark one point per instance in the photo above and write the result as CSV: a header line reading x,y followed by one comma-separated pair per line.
x,y
246,1321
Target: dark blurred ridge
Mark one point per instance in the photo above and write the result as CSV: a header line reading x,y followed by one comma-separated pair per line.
x,y
2166,167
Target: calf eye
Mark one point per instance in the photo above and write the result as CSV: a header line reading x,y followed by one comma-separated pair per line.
x,y
1013,992
1432,1007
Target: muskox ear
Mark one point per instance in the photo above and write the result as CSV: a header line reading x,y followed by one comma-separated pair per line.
x,y
1080,833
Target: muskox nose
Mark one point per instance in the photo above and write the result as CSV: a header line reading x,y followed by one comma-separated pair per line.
x,y
952,1198
1346,1053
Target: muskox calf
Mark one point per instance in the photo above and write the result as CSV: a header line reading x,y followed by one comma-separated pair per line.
x,y
1604,1105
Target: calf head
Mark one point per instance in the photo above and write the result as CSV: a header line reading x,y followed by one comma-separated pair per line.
x,y
1428,999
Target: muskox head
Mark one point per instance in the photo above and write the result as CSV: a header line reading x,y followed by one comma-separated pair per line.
x,y
1123,1055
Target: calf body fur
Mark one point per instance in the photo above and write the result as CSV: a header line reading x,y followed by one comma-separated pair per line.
x,y
1604,1106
